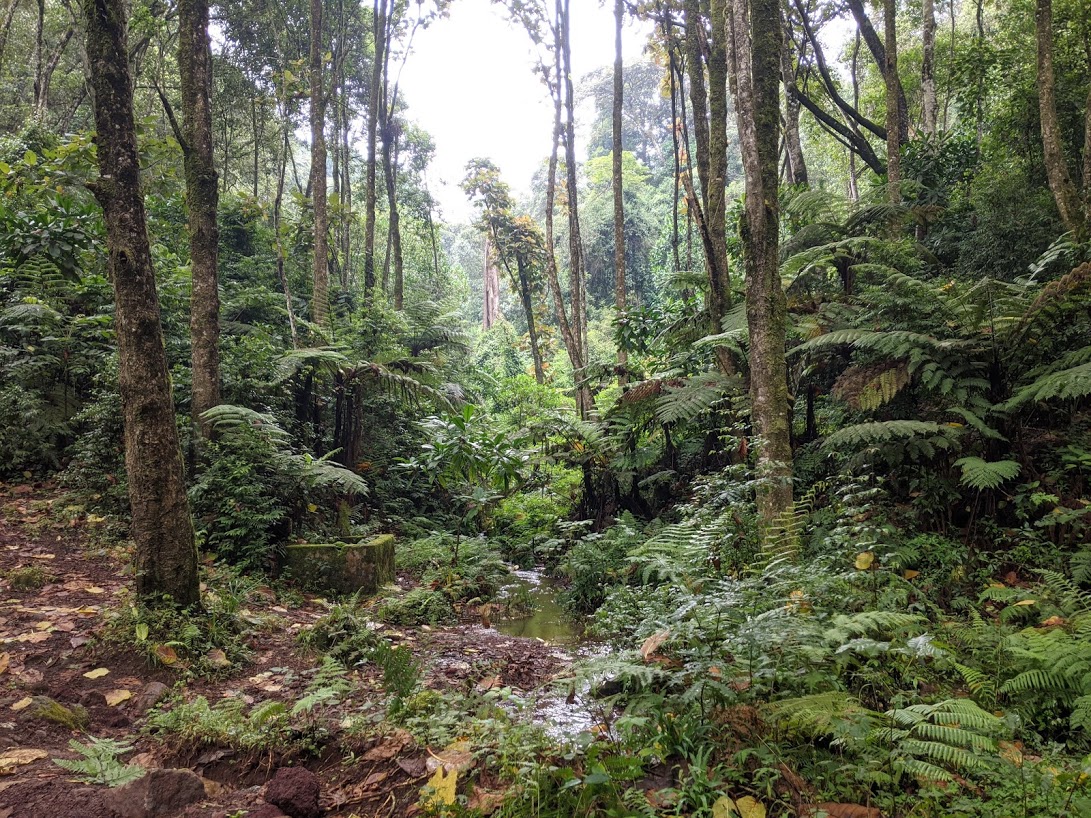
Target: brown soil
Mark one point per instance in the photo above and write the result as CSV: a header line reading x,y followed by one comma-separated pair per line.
x,y
51,642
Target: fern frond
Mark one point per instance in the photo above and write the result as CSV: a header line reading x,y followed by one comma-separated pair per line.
x,y
981,474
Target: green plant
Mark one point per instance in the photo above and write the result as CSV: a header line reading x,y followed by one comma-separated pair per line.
x,y
420,606
100,763
28,578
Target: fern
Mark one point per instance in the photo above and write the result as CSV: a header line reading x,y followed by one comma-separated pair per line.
x,y
692,398
981,475
99,762
1066,384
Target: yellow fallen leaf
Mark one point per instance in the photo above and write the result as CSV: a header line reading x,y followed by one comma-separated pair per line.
x,y
166,654
911,574
1024,602
116,697
653,643
34,637
94,589
5,660
311,507
97,673
864,560
15,758
43,626
23,704
748,807
443,787
217,658
724,807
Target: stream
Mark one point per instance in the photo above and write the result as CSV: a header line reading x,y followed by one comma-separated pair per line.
x,y
562,716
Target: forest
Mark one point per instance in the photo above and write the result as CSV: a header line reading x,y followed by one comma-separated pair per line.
x,y
733,464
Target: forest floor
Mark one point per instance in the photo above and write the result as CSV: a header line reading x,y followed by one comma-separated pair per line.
x,y
53,647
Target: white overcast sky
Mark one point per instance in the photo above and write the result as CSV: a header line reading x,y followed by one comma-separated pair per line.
x,y
470,82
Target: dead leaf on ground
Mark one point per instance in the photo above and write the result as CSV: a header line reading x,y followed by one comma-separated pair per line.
x,y
10,759
166,654
864,560
34,637
489,683
456,756
443,786
97,673
23,703
116,697
5,660
653,643
832,810
485,801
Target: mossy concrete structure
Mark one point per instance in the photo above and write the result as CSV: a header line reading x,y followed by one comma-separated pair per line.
x,y
343,568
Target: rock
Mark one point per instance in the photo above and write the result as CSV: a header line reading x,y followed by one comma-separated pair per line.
x,y
343,568
149,697
158,794
295,791
265,811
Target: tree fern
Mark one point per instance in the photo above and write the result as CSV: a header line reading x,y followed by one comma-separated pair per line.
x,y
981,474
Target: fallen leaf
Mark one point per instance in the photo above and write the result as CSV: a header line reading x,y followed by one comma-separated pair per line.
x,y
489,683
1053,621
166,654
653,643
443,786
97,673
749,807
833,810
23,704
1024,602
16,758
911,574
116,697
43,626
35,637
864,560
5,660
94,589
724,807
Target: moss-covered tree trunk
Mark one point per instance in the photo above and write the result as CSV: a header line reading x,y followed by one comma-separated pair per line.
x,y
929,104
378,22
166,558
320,303
1060,181
755,31
202,201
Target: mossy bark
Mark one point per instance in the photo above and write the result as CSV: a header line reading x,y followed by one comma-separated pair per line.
x,y
202,201
755,32
166,557
320,298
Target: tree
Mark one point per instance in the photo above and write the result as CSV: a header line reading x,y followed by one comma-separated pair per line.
x,y
929,105
894,112
516,241
1075,215
755,30
166,556
619,195
202,201
320,304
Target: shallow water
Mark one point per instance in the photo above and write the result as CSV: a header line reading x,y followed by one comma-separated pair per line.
x,y
548,621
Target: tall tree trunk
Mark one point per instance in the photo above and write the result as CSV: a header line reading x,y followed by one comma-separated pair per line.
x,y
929,104
756,31
893,109
39,54
279,244
166,557
1060,182
619,197
42,106
577,287
5,28
202,201
527,298
797,163
378,19
320,304
388,127
490,308
720,282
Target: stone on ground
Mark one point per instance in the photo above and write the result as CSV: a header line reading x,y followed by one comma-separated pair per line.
x,y
295,791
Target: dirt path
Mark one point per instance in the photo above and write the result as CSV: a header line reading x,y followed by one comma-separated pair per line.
x,y
52,647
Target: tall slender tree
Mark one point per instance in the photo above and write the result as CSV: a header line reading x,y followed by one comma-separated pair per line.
x,y
619,193
894,112
929,104
166,557
320,303
202,201
755,32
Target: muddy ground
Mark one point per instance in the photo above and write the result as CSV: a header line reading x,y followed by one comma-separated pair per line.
x,y
52,647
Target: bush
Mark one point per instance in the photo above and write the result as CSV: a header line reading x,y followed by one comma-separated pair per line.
x,y
420,606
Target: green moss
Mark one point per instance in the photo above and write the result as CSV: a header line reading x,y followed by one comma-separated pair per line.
x,y
74,718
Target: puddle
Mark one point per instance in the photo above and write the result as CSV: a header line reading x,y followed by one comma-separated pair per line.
x,y
547,620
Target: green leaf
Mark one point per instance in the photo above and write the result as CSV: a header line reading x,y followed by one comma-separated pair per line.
x,y
30,158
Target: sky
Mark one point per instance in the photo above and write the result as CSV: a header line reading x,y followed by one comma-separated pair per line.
x,y
470,83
